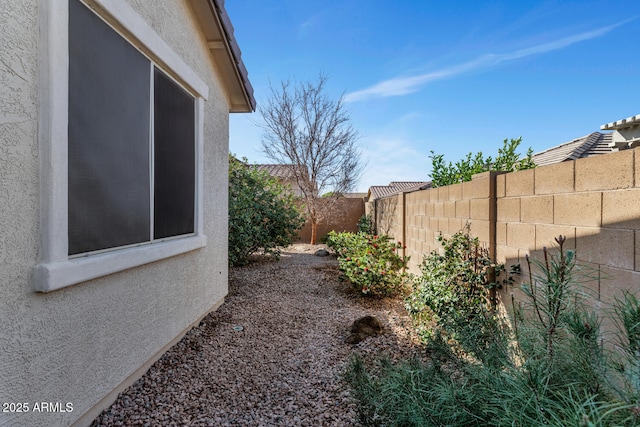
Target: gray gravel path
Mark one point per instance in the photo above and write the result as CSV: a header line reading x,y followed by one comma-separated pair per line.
x,y
283,368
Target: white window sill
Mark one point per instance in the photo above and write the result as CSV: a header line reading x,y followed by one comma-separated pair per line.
x,y
56,275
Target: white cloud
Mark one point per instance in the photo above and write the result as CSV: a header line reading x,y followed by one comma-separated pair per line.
x,y
398,86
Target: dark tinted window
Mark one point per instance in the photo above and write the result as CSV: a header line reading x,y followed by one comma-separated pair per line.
x,y
109,176
174,158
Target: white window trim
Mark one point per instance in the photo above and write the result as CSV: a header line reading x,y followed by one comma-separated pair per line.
x,y
56,269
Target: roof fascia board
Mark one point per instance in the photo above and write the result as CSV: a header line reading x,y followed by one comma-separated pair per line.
x,y
213,19
622,124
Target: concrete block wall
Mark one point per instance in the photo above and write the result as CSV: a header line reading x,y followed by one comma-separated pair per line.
x,y
343,216
389,215
594,202
443,210
419,236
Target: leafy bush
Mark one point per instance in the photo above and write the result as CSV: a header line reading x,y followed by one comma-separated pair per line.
x,y
553,371
507,160
453,288
366,225
371,263
262,213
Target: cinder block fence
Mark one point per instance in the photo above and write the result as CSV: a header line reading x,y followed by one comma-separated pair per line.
x,y
594,202
343,217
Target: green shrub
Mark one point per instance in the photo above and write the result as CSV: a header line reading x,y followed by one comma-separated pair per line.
x,y
627,309
453,290
371,263
262,213
507,160
554,370
366,225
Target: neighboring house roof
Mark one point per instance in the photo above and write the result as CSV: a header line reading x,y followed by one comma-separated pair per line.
x,y
354,195
623,123
283,173
395,187
378,191
218,30
586,146
278,171
626,133
406,185
286,173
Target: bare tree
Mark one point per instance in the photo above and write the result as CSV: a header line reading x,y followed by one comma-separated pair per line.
x,y
304,127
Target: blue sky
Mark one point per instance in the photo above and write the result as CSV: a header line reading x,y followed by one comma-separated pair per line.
x,y
449,76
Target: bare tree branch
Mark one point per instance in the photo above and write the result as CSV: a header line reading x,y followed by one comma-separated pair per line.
x,y
303,126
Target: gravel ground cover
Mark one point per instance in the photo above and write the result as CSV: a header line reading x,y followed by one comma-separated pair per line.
x,y
271,355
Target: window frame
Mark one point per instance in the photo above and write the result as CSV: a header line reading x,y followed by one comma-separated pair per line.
x,y
56,268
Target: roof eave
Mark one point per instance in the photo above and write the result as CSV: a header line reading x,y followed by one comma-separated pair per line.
x,y
218,30
622,124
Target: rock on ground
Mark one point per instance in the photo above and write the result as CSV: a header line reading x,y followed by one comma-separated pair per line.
x,y
272,355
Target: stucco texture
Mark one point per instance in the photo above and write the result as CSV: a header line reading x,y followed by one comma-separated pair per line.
x,y
77,344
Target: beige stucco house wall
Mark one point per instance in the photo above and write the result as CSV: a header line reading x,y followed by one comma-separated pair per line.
x,y
76,330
